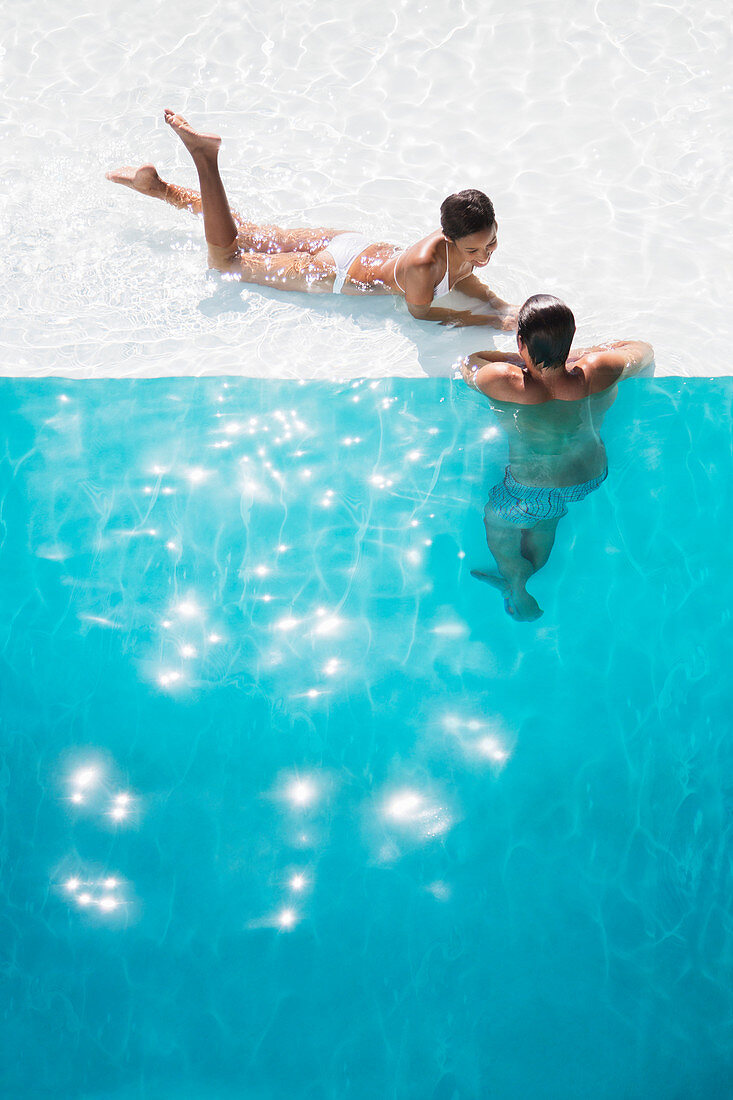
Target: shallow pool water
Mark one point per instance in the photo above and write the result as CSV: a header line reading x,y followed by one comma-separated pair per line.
x,y
291,807
602,133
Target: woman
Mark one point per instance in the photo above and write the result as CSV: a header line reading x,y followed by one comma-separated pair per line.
x,y
332,260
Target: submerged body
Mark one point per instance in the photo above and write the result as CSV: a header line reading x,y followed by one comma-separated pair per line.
x,y
327,260
552,416
556,456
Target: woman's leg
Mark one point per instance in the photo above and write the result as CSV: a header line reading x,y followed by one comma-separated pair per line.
x,y
220,228
251,237
146,181
283,270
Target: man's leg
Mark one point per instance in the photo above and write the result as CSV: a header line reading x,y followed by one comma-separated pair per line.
x,y
504,540
537,542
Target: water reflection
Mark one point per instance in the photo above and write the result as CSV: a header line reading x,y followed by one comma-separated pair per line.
x,y
93,790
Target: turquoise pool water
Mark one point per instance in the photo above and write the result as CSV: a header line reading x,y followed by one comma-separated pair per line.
x,y
292,808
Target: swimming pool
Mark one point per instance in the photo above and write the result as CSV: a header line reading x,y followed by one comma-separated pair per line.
x,y
293,808
290,806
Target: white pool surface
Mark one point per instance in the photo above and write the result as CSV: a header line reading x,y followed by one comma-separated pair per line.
x,y
601,132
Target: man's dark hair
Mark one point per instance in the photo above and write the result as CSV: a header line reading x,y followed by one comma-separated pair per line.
x,y
547,327
465,213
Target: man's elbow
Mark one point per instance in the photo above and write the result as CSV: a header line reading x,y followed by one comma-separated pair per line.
x,y
642,355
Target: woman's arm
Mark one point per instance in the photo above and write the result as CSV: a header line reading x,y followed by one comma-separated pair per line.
x,y
420,280
460,318
505,315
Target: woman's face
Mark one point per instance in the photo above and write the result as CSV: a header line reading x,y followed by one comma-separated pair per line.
x,y
478,248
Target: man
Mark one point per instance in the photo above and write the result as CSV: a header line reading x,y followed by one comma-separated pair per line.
x,y
551,404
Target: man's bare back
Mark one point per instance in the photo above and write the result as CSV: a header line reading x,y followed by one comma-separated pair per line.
x,y
510,376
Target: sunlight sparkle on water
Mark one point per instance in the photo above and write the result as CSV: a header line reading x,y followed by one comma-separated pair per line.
x,y
286,919
287,623
301,792
327,624
492,749
481,737
86,777
411,810
168,678
196,475
451,628
188,609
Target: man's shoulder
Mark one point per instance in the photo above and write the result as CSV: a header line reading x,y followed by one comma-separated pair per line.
x,y
601,367
504,381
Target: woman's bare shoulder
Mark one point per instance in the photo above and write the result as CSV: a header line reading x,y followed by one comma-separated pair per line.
x,y
426,250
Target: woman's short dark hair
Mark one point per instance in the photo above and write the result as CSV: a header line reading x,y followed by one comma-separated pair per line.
x,y
465,213
547,327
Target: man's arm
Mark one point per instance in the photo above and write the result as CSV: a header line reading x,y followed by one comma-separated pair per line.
x,y
488,371
613,361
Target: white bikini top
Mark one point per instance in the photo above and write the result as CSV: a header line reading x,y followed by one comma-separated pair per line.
x,y
443,286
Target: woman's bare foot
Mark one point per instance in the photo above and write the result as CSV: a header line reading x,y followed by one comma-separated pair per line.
x,y
207,144
145,179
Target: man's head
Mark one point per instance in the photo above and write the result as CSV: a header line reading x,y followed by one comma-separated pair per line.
x,y
545,330
468,221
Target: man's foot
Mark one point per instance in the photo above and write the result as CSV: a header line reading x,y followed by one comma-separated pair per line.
x,y
521,606
192,139
145,179
494,579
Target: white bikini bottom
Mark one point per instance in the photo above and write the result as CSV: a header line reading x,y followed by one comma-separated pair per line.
x,y
343,250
